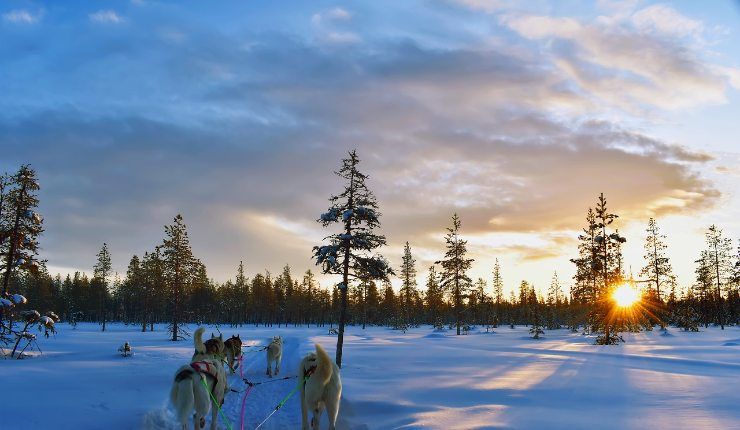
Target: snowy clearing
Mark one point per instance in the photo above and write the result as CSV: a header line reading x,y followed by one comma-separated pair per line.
x,y
421,379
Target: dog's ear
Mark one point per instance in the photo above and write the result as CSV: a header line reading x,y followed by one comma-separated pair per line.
x,y
221,337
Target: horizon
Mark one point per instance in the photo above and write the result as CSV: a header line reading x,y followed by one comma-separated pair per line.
x,y
514,116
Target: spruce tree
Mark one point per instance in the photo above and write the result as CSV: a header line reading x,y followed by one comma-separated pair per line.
x,y
349,252
180,268
719,259
454,278
101,273
434,298
657,270
408,282
20,224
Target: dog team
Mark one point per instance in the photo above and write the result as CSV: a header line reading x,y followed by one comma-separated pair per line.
x,y
201,386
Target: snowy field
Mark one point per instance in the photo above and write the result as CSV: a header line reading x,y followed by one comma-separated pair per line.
x,y
416,380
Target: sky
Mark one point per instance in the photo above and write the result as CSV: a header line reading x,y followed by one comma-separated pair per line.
x,y
515,115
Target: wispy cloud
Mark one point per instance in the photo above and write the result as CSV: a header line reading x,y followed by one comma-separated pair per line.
x,y
22,16
517,136
330,27
106,17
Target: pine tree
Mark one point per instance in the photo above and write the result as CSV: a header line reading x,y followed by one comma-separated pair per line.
x,y
349,252
434,298
454,276
554,300
498,291
657,268
408,282
20,227
180,268
241,285
20,224
101,273
719,254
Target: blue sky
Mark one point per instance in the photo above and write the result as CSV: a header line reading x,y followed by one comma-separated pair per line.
x,y
514,114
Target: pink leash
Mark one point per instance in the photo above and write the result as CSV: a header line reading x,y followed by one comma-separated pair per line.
x,y
246,393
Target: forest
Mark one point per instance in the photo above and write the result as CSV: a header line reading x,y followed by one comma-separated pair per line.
x,y
170,284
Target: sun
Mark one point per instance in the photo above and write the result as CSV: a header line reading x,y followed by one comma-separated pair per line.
x,y
625,295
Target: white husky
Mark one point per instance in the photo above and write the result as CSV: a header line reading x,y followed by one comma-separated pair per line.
x,y
322,389
195,383
274,353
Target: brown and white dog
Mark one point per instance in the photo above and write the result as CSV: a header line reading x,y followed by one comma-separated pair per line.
x,y
195,383
233,348
321,387
274,353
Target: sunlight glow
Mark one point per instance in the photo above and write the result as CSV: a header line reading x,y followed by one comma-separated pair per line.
x,y
625,295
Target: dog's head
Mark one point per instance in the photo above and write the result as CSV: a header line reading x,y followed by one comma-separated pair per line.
x,y
235,343
215,345
308,363
277,339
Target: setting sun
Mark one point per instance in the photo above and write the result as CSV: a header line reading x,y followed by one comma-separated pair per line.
x,y
625,295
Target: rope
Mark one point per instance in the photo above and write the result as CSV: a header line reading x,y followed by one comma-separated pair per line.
x,y
252,384
254,350
215,403
282,402
244,402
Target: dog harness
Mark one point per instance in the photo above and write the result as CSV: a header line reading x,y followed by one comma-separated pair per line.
x,y
205,368
307,373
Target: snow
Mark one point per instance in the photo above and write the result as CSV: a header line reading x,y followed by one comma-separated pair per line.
x,y
420,379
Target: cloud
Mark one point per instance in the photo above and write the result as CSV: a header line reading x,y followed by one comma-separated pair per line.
x,y
329,25
22,16
666,20
241,132
106,17
630,64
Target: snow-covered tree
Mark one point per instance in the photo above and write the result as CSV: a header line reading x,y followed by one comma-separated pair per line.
x,y
455,266
20,224
350,252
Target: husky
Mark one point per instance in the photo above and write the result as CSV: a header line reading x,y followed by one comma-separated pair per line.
x,y
321,387
195,383
214,346
233,346
274,353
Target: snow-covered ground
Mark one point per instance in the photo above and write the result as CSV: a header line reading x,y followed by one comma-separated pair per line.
x,y
421,379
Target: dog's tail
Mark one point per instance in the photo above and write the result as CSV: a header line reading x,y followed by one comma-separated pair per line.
x,y
200,347
324,365
182,394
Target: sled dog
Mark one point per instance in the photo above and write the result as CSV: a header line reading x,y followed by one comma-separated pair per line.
x,y
274,353
196,382
321,387
214,346
233,347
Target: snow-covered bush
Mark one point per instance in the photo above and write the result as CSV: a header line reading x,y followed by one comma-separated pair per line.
x,y
30,318
536,331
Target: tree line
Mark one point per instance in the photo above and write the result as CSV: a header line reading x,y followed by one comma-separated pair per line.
x,y
170,284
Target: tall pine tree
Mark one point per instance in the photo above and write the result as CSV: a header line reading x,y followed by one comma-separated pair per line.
x,y
101,273
349,252
454,277
408,282
180,269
